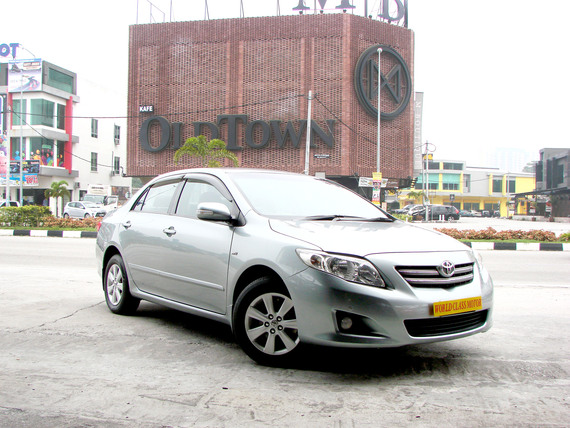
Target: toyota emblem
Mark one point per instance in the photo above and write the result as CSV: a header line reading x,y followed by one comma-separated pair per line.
x,y
446,269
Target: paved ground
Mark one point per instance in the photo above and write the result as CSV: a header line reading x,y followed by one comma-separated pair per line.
x,y
67,361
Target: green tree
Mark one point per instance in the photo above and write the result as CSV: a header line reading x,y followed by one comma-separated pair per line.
x,y
57,190
209,152
415,195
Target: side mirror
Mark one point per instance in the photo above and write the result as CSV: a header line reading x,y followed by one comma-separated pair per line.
x,y
213,211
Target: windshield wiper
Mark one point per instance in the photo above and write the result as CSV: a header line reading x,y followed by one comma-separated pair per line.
x,y
337,217
379,219
331,217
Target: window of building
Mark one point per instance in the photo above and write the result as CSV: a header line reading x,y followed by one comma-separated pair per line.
x,y
433,182
94,128
60,80
558,174
117,165
93,162
454,166
433,165
450,181
497,185
117,134
19,115
511,186
42,149
466,183
42,112
60,116
60,154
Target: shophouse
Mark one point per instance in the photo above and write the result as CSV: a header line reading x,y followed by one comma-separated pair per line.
x,y
471,188
47,137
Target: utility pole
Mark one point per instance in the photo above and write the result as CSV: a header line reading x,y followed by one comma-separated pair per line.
x,y
308,141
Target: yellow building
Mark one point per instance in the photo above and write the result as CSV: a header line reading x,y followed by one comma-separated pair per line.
x,y
471,188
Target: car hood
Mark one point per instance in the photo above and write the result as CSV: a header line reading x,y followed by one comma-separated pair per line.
x,y
363,238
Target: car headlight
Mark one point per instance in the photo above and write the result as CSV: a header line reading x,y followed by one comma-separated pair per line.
x,y
351,269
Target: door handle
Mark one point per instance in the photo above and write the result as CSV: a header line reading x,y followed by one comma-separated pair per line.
x,y
127,224
170,231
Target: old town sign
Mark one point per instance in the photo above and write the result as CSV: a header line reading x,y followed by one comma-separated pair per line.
x,y
396,92
396,84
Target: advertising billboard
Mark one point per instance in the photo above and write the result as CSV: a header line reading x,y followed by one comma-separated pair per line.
x,y
25,75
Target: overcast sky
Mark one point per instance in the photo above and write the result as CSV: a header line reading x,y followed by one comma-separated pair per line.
x,y
494,73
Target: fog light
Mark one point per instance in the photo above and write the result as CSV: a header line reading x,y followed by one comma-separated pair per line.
x,y
346,323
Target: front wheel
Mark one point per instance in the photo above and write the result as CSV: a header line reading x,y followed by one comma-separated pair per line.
x,y
116,288
265,323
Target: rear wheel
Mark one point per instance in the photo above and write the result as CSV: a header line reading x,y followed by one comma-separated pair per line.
x,y
116,288
86,215
265,323
65,215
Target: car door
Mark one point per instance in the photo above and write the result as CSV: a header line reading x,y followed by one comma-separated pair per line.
x,y
144,237
75,210
197,254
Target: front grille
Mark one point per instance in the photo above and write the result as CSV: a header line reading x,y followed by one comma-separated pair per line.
x,y
429,276
442,326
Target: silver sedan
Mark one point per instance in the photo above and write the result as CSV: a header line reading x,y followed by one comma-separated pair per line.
x,y
287,260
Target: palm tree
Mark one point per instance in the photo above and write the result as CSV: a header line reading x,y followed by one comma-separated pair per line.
x,y
415,195
210,152
57,190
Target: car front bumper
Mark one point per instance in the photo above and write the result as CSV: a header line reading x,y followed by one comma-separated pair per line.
x,y
387,317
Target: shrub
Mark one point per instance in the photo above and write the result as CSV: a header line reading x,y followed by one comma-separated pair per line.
x,y
36,216
492,234
26,216
69,223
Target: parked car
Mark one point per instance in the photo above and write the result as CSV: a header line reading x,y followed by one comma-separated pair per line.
x,y
437,212
406,209
83,210
3,203
287,260
465,213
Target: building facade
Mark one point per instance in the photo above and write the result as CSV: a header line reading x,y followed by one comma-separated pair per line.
x,y
47,134
247,82
472,188
553,182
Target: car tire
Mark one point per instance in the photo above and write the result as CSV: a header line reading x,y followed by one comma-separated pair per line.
x,y
65,215
116,287
265,323
86,215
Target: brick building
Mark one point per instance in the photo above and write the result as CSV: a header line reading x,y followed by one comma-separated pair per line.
x,y
247,80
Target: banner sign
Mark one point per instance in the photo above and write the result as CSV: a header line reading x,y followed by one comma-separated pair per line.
x,y
30,168
25,75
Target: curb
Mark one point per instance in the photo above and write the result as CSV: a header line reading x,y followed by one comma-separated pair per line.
x,y
523,246
507,246
49,233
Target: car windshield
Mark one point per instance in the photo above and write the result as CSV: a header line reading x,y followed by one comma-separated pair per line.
x,y
276,195
94,198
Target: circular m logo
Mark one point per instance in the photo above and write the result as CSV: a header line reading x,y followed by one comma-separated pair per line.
x,y
396,88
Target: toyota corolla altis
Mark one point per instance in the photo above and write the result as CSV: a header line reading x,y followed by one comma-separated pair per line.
x,y
286,260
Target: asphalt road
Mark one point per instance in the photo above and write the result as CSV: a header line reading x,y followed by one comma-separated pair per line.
x,y
68,362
